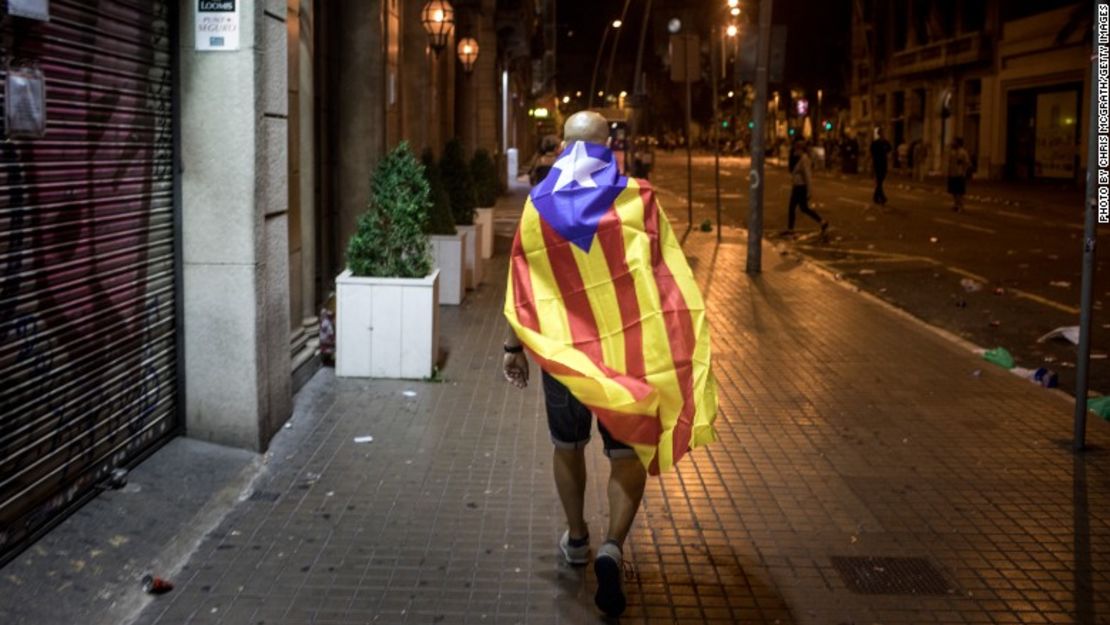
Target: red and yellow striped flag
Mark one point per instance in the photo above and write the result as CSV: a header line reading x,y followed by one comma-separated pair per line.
x,y
601,296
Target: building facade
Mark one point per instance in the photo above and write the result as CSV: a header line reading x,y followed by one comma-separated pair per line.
x,y
169,239
1010,79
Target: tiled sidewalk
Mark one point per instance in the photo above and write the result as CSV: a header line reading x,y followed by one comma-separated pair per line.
x,y
847,432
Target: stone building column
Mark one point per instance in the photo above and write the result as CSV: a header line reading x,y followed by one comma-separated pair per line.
x,y
235,230
360,125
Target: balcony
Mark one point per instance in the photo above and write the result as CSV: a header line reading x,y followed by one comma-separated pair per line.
x,y
962,50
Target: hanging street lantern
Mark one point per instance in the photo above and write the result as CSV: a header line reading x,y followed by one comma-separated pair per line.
x,y
438,18
468,53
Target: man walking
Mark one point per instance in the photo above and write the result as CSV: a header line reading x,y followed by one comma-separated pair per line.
x,y
801,177
600,294
959,168
880,151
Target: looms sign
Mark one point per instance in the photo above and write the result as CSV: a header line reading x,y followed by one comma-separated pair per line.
x,y
217,25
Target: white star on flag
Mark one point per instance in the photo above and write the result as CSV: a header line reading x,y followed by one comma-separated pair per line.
x,y
577,166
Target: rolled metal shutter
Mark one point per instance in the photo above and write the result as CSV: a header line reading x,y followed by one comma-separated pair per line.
x,y
87,259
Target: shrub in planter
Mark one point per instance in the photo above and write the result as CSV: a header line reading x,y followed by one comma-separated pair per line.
x,y
457,180
390,239
387,317
487,184
440,221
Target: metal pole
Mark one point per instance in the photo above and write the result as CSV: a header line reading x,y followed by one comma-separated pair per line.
x,y
638,89
716,128
1082,372
759,116
616,43
597,63
689,157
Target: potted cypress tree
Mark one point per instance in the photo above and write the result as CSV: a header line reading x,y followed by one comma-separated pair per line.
x,y
487,187
460,188
387,322
448,242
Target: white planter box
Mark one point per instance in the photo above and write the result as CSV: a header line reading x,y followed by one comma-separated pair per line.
x,y
484,217
449,251
473,256
386,327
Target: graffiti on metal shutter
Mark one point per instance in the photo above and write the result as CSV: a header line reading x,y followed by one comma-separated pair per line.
x,y
87,280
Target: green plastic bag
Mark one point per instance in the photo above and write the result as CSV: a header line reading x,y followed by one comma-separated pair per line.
x,y
1000,357
1100,406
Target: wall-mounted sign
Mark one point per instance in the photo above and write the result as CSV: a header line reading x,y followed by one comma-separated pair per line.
x,y
217,25
25,103
31,9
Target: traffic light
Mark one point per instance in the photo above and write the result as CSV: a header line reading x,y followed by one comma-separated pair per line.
x,y
724,123
828,125
790,132
751,125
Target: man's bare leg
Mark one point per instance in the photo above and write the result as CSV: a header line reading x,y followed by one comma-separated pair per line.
x,y
626,489
570,480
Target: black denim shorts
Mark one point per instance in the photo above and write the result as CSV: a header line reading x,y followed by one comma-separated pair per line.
x,y
570,422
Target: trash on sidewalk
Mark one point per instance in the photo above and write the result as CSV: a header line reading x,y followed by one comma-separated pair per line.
x,y
409,393
1041,376
156,585
971,286
707,226
1100,406
1068,333
117,479
364,439
933,239
1061,284
866,272
999,356
978,373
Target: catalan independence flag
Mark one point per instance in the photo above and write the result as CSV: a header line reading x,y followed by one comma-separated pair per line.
x,y
601,296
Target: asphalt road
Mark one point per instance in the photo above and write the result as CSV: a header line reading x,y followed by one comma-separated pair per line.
x,y
1024,257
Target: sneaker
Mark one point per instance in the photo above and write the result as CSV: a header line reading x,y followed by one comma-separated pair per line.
x,y
575,551
607,566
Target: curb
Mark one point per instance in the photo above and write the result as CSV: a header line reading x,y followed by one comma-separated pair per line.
x,y
821,269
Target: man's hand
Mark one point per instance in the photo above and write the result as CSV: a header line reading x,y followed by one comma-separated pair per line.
x,y
516,369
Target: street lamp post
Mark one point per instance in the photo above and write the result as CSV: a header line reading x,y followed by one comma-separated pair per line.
x,y
1083,358
616,44
716,125
759,115
615,24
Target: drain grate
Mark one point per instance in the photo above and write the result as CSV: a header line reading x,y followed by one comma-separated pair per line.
x,y
891,576
264,495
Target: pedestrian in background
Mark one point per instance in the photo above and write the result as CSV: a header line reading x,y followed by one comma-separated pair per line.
x,y
920,156
542,160
880,152
959,168
801,177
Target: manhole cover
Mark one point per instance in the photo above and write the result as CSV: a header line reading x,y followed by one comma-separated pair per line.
x,y
264,495
891,576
